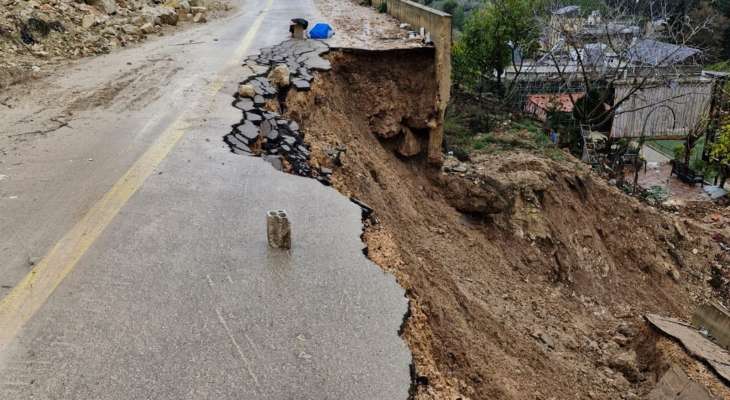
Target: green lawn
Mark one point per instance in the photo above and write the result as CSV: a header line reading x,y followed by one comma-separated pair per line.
x,y
666,147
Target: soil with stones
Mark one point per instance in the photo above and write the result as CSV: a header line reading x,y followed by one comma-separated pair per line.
x,y
528,277
37,35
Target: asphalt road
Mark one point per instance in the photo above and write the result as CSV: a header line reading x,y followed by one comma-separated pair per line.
x,y
134,257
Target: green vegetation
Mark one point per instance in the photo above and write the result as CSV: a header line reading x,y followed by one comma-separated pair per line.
x,y
675,149
486,46
721,148
471,129
669,148
459,9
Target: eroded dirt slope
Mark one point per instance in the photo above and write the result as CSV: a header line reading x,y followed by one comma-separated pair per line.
x,y
528,277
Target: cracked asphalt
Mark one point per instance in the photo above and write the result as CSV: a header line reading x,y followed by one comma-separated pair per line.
x,y
155,234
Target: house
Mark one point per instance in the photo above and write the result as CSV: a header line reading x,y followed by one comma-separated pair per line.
x,y
539,105
663,109
562,20
653,53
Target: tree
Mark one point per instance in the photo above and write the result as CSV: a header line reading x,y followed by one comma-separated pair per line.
x,y
598,54
720,153
450,6
489,42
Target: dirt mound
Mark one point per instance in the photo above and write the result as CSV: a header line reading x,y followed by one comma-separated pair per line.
x,y
527,276
37,33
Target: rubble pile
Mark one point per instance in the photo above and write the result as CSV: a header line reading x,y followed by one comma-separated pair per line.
x,y
268,76
36,33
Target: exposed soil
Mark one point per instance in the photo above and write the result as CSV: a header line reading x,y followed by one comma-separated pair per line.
x,y
528,277
38,35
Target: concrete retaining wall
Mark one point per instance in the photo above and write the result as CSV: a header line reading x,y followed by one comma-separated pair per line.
x,y
438,25
716,319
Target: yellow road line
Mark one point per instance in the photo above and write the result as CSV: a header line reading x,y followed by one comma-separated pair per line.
x,y
19,306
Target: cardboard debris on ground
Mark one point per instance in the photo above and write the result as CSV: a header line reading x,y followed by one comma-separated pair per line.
x,y
696,344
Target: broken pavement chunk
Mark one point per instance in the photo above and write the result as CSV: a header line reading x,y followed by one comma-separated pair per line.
x,y
676,385
245,104
367,211
301,84
249,130
697,345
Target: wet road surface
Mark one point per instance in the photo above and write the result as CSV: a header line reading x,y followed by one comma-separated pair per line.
x,y
151,273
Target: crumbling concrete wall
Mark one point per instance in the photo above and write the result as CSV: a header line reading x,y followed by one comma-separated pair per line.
x,y
438,26
716,319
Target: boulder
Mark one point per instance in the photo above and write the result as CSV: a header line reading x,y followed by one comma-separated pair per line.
x,y
246,91
384,124
130,29
147,28
198,3
279,76
409,145
196,10
88,21
167,15
199,18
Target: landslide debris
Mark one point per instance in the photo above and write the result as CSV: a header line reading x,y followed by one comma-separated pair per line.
x,y
35,34
527,274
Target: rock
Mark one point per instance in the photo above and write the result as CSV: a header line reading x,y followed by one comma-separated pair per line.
x,y
410,145
674,274
625,363
199,3
167,15
178,4
279,76
109,31
130,29
88,21
199,18
246,91
385,125
107,6
626,330
620,340
546,339
196,10
147,28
